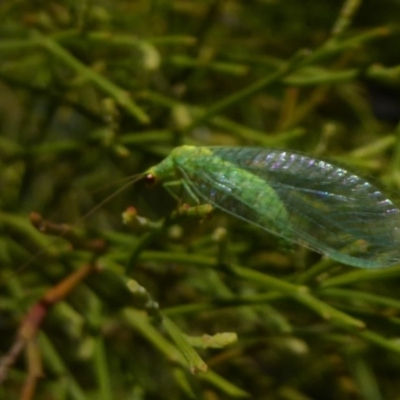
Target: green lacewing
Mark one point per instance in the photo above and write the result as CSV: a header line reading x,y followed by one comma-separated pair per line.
x,y
305,200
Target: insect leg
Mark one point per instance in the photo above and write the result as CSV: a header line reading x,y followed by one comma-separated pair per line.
x,y
171,185
197,210
190,192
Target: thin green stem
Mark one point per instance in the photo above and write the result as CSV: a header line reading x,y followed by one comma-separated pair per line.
x,y
102,370
315,270
56,365
332,48
119,95
249,91
345,18
301,295
347,294
242,131
298,293
361,275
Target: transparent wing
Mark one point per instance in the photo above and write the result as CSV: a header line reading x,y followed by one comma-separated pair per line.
x,y
314,202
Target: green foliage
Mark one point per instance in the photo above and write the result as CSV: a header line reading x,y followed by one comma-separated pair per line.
x,y
93,92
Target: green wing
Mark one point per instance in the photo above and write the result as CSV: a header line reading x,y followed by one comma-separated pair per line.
x,y
303,199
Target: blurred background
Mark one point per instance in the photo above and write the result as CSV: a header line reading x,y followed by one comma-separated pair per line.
x,y
93,92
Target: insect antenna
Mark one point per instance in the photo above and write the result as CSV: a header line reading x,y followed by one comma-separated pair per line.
x,y
63,229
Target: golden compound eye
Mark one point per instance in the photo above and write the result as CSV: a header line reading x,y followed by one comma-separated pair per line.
x,y
150,179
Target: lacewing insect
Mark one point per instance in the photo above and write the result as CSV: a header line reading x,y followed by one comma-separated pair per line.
x,y
305,200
